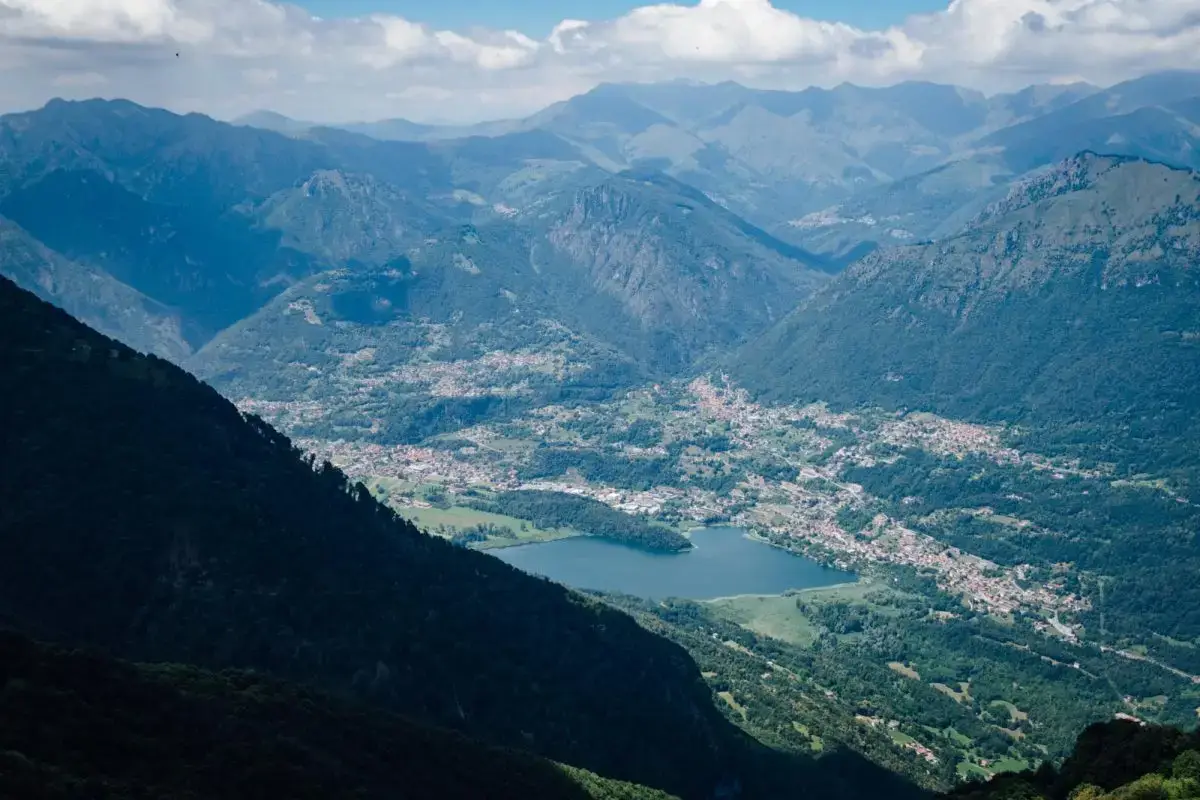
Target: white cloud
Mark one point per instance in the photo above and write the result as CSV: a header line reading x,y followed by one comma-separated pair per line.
x,y
236,55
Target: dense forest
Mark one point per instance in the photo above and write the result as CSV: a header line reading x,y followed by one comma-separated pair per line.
x,y
1117,760
561,510
974,689
148,518
791,717
76,724
1099,525
1081,340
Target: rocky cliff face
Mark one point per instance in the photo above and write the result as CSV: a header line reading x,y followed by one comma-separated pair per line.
x,y
679,265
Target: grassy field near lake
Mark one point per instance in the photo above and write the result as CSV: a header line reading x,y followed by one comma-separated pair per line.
x,y
779,617
769,615
408,499
459,517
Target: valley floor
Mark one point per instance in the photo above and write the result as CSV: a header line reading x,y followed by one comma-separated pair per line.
x,y
941,662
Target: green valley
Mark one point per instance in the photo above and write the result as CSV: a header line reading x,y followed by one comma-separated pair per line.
x,y
931,614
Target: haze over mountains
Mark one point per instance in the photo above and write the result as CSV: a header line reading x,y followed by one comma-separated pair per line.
x,y
161,203
430,278
777,157
945,339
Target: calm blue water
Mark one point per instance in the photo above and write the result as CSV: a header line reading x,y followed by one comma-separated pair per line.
x,y
723,562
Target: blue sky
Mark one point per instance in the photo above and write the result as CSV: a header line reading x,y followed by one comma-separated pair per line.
x,y
537,17
343,64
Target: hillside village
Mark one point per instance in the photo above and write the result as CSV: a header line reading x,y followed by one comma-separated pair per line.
x,y
801,514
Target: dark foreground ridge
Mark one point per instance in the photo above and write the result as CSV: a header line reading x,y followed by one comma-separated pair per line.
x,y
74,724
144,516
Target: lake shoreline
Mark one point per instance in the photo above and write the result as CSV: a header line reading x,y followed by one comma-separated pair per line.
x,y
505,544
724,561
787,592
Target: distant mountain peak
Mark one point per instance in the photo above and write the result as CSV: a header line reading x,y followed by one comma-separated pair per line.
x,y
1077,173
273,121
325,181
1071,175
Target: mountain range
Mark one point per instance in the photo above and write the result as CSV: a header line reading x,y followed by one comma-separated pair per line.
x,y
1068,306
800,163
397,289
1027,261
240,244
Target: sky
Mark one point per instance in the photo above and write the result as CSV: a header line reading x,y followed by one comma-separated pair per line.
x,y
467,60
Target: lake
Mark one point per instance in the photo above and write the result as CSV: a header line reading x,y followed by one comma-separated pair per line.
x,y
723,562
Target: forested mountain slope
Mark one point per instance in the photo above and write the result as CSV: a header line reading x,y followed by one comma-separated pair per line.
x,y
1071,306
91,295
147,517
587,291
402,286
1118,760
76,724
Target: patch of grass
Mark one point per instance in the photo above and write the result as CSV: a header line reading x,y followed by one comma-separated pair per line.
x,y
460,517
737,707
906,670
954,735
967,770
775,616
1014,713
879,597
1174,642
1009,764
816,743
961,695
856,592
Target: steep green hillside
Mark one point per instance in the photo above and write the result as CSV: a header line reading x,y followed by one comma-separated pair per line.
x,y
458,330
145,516
686,272
91,295
76,724
1118,760
214,220
589,291
1069,307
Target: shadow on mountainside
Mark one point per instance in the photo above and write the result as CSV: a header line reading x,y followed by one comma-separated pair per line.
x,y
144,516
